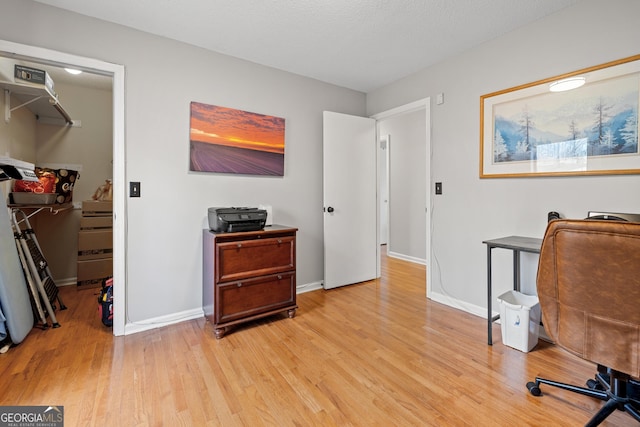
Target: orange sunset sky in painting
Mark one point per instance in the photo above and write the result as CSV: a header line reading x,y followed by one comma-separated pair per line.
x,y
236,128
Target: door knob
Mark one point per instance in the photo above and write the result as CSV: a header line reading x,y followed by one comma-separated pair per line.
x,y
330,209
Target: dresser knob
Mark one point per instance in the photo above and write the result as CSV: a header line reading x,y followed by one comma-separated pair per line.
x,y
239,245
239,284
279,241
279,277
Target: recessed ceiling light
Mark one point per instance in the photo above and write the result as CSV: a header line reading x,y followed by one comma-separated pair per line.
x,y
72,71
567,84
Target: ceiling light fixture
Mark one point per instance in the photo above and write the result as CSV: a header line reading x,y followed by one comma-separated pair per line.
x,y
567,84
73,71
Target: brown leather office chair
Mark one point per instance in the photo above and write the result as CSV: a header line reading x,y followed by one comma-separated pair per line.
x,y
588,285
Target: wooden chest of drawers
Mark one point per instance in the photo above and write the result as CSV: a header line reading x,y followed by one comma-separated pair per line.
x,y
248,275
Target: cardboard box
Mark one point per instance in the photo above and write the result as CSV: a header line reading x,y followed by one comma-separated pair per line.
x,y
95,222
33,76
97,208
93,272
94,244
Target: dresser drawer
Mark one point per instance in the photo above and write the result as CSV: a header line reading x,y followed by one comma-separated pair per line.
x,y
248,275
249,297
250,258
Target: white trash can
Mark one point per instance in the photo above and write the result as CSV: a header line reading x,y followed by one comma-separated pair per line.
x,y
519,320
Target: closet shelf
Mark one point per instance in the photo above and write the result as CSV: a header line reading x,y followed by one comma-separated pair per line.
x,y
39,99
53,209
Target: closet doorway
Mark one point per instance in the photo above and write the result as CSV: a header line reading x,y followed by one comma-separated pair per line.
x,y
97,76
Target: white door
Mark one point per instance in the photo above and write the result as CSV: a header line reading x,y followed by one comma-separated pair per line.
x,y
349,179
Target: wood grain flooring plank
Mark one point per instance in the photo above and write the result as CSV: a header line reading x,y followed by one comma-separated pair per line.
x,y
377,353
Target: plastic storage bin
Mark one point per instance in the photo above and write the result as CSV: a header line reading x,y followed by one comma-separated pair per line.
x,y
519,320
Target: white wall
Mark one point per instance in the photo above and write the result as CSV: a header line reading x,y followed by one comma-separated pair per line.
x,y
472,209
407,184
90,145
163,253
17,138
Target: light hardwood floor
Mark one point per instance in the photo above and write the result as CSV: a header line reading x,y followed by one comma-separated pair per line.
x,y
372,354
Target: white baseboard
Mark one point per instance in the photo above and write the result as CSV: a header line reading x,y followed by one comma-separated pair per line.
x,y
69,281
197,313
460,305
313,286
161,321
407,258
476,310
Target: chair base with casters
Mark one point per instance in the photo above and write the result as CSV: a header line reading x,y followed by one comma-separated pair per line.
x,y
587,284
618,390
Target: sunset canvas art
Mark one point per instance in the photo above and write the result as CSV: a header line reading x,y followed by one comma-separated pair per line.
x,y
226,140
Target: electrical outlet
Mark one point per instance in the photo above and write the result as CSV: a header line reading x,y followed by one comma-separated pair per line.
x,y
438,188
134,189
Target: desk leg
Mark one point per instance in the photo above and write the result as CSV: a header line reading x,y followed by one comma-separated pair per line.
x,y
516,270
489,311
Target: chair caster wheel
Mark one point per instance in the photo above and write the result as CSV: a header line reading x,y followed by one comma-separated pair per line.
x,y
594,385
533,389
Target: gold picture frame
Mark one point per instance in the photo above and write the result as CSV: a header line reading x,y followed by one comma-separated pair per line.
x,y
528,130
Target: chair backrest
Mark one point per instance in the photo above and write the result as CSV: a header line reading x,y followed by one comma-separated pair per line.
x,y
588,285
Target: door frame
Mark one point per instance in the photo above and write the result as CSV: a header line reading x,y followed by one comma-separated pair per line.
x,y
60,59
384,208
424,103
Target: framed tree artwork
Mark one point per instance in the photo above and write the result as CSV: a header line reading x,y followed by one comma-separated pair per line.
x,y
591,129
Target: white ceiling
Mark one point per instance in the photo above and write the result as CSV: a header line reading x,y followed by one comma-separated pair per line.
x,y
358,44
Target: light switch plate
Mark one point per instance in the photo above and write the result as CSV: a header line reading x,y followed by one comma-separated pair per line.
x,y
134,189
438,188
